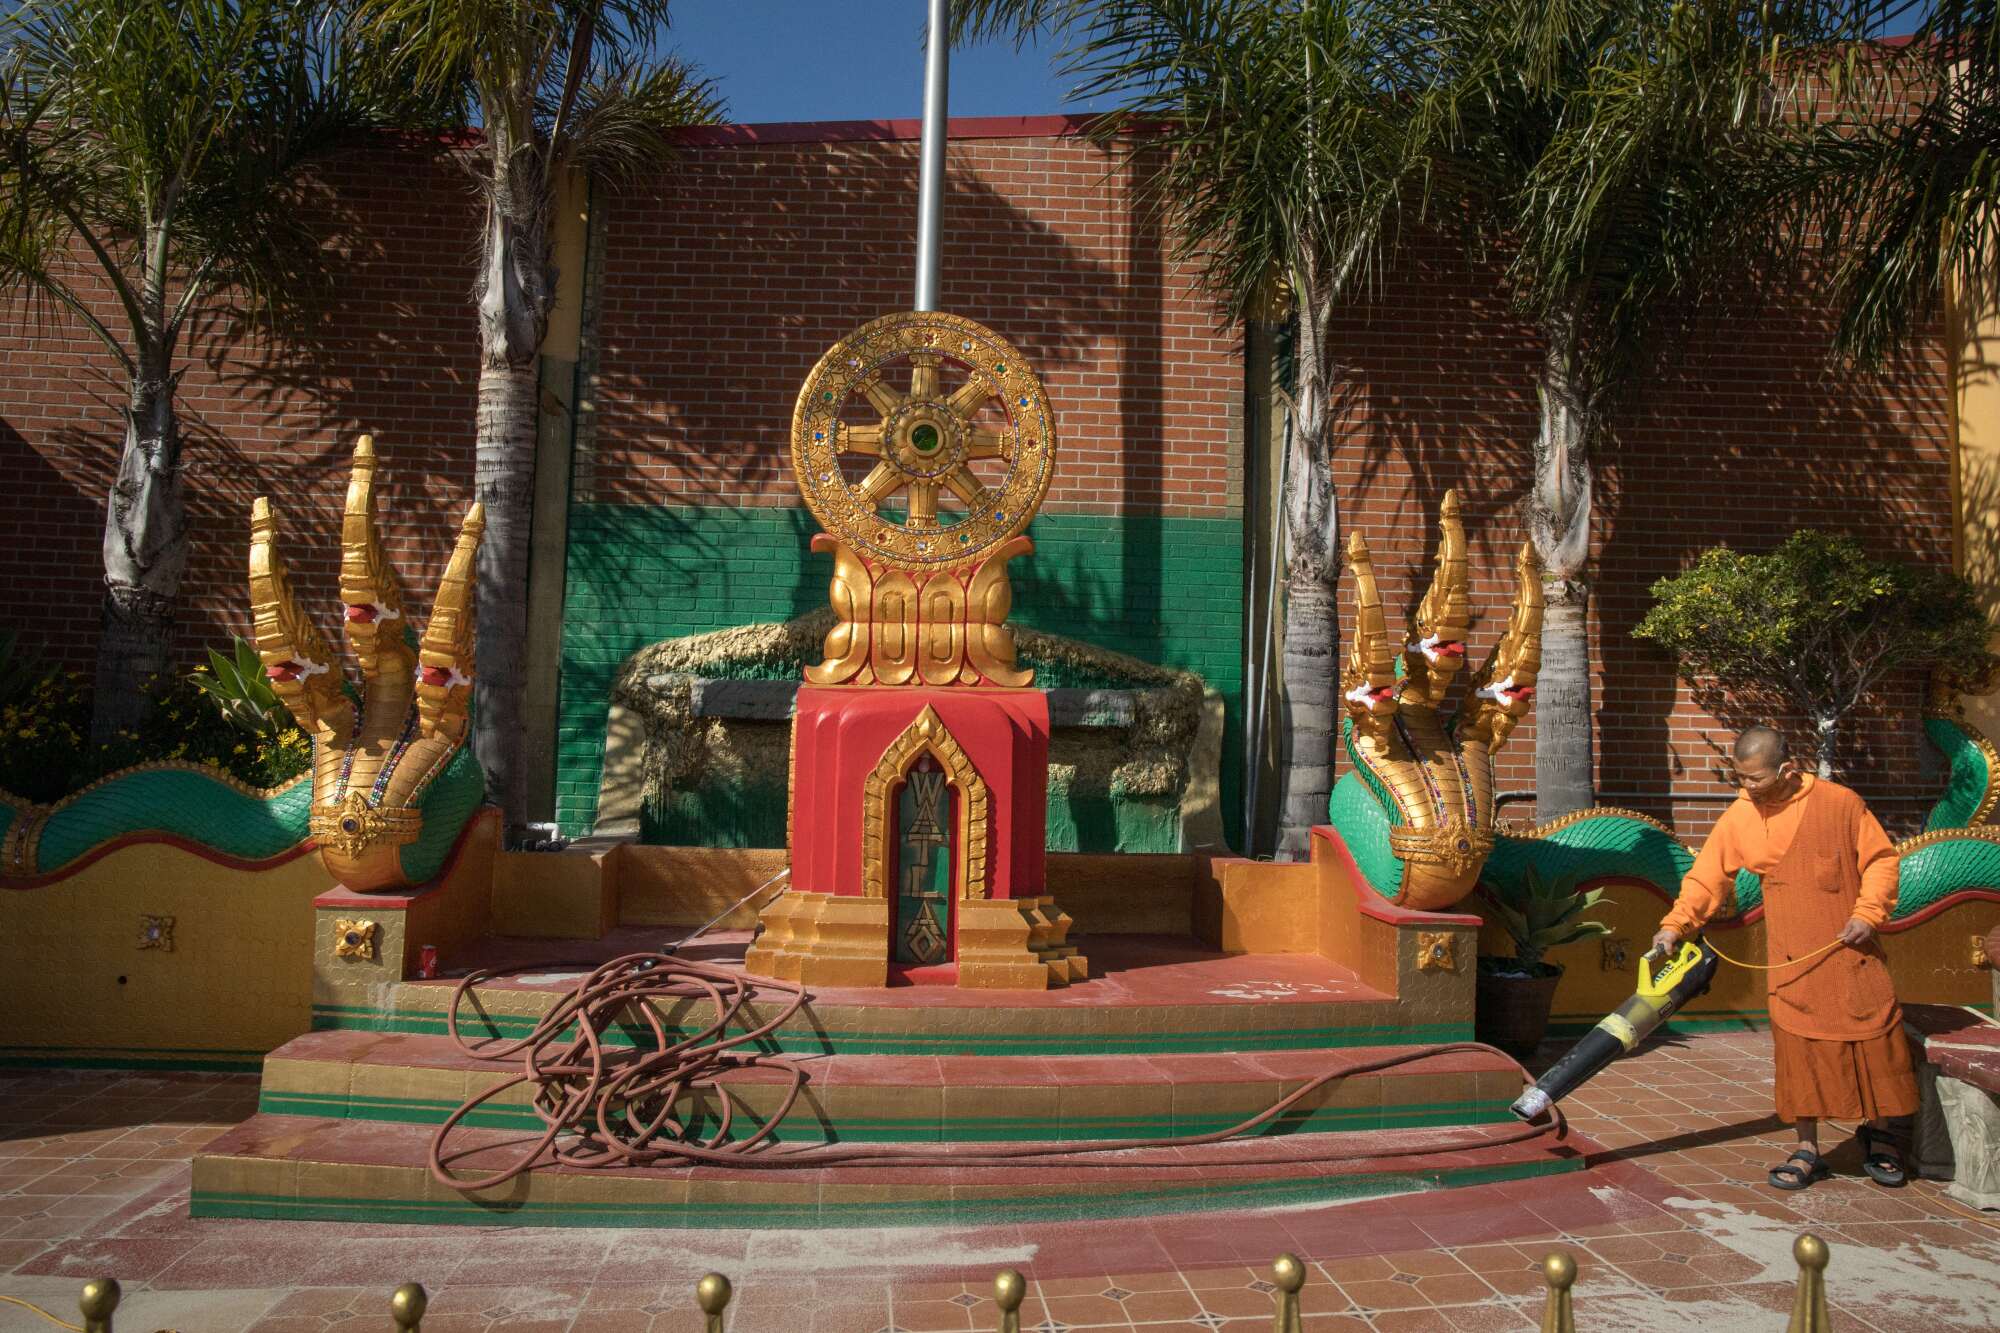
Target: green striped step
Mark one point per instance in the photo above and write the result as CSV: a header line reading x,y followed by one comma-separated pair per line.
x,y
418,1079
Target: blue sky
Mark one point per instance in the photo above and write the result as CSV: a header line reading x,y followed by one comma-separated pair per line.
x,y
851,60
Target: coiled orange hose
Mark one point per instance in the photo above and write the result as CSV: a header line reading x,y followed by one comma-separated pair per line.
x,y
604,1109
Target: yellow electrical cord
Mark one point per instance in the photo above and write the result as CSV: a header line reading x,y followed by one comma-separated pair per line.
x,y
59,1323
1952,1205
1770,967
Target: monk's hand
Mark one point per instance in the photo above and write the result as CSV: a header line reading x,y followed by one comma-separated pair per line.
x,y
1856,933
1664,944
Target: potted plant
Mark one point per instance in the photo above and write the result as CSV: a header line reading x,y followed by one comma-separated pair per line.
x,y
1515,994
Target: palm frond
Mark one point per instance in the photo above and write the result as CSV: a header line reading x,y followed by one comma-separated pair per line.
x,y
624,119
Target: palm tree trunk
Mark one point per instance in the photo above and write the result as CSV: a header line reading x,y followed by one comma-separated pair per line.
x,y
1312,571
1826,731
504,481
145,552
1559,519
515,293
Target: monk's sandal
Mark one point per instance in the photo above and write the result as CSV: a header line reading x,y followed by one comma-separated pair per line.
x,y
1884,1168
1790,1177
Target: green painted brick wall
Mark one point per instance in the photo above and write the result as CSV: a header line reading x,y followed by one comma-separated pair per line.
x,y
1166,590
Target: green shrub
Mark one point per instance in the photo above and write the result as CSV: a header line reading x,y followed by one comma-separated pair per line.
x,y
1812,628
45,752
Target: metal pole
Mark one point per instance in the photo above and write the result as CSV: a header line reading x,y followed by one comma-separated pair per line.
x,y
930,183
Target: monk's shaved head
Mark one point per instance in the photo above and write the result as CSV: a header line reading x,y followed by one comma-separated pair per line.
x,y
1766,743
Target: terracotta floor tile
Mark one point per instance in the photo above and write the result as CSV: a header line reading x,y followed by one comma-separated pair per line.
x,y
1425,1320
1372,1298
1154,1307
1493,1317
1424,1263
1167,1280
1073,1286
1453,1289
1222,1279
1361,1268
622,1295
926,1316
1082,1311
844,1319
621,1320
289,1324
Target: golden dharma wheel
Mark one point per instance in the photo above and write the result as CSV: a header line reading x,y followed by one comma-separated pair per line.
x,y
923,440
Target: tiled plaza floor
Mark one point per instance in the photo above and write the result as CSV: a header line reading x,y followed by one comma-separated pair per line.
x,y
1672,1229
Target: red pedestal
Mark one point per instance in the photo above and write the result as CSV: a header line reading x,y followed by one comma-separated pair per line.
x,y
840,736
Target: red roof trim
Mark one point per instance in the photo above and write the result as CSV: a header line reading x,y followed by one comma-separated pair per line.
x,y
883,131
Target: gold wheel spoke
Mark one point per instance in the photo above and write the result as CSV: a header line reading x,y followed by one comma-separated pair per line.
x,y
859,440
883,398
986,444
880,483
970,395
966,487
923,504
923,376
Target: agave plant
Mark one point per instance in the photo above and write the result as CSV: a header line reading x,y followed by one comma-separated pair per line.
x,y
241,692
1543,913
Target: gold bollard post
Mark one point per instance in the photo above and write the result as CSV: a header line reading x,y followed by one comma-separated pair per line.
x,y
1290,1275
407,1306
1009,1290
1809,1306
1559,1272
712,1294
99,1299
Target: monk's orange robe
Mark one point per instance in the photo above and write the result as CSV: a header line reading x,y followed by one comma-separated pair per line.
x,y
1836,1026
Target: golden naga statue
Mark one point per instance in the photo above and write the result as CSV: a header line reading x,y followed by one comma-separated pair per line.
x,y
378,760
1431,781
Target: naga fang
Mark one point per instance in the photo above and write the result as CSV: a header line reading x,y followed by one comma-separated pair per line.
x,y
1660,996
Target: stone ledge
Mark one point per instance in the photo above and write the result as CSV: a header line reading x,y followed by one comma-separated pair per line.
x,y
772,701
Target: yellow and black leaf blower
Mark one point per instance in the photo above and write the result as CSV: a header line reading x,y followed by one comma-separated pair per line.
x,y
1660,995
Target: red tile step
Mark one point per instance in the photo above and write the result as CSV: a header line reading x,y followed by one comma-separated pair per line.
x,y
419,1078
275,1166
1153,995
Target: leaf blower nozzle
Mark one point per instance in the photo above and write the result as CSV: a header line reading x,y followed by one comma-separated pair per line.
x,y
1660,995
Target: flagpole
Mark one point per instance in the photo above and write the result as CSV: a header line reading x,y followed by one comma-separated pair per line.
x,y
930,181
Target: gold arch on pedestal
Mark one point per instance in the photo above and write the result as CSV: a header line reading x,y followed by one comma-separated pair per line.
x,y
927,734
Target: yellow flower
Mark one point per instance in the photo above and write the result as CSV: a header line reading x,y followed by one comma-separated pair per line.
x,y
240,749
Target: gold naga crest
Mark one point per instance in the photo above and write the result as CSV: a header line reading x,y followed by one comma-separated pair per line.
x,y
375,758
1438,776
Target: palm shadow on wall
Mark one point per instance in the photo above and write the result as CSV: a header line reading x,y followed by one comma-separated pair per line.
x,y
389,348
1733,429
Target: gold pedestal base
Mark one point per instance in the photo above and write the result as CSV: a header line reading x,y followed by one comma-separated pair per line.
x,y
821,939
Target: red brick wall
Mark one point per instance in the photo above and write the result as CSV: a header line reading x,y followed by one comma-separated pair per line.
x,y
1740,436
728,279
394,356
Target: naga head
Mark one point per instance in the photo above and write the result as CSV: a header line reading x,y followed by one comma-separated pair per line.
x,y
1435,776
376,751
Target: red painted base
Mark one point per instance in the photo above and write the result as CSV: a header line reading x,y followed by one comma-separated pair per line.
x,y
839,738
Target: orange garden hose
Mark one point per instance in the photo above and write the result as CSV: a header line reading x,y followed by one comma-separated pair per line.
x,y
608,1109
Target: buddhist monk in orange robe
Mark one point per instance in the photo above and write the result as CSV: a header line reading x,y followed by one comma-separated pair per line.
x,y
1829,872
